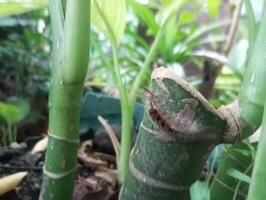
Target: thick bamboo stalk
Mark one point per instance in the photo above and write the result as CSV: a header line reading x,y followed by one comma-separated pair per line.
x,y
179,130
69,67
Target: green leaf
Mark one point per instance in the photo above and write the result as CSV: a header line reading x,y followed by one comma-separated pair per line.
x,y
251,23
237,56
170,10
200,191
238,175
10,113
14,7
213,7
146,15
206,28
22,105
186,17
109,17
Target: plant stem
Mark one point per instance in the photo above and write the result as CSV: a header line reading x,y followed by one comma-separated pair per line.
x,y
144,72
128,103
126,110
10,133
126,121
4,139
69,68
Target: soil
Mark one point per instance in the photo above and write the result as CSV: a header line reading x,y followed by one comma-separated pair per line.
x,y
17,158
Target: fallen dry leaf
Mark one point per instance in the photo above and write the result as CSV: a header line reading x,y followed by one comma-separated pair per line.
x,y
92,158
112,136
109,175
92,187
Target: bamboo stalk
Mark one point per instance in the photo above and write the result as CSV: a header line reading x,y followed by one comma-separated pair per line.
x,y
179,130
69,67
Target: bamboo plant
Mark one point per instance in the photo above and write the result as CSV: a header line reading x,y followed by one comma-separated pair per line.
x,y
158,150
179,130
128,100
71,28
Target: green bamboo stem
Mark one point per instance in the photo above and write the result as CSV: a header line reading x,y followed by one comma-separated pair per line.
x,y
69,68
145,70
127,116
258,181
126,112
165,163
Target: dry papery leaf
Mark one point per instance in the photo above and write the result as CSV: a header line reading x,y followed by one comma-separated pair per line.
x,y
111,135
109,175
93,188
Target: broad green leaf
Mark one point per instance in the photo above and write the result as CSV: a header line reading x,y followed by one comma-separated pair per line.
x,y
14,7
22,105
10,113
200,191
238,175
109,17
237,56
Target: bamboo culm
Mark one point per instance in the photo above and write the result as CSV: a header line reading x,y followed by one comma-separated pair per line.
x,y
71,29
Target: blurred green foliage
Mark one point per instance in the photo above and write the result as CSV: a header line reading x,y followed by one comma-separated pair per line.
x,y
24,72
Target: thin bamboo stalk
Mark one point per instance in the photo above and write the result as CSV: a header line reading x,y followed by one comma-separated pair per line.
x,y
69,67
